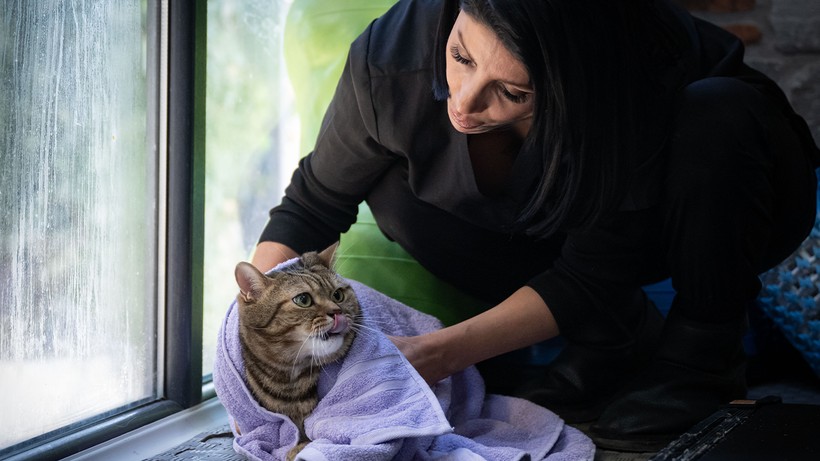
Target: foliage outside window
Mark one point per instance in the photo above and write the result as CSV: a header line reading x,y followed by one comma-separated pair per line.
x,y
272,69
251,142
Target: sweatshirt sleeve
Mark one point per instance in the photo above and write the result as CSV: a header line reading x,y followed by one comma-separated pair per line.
x,y
598,272
325,190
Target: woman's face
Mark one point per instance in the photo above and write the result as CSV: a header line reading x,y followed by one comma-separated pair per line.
x,y
489,88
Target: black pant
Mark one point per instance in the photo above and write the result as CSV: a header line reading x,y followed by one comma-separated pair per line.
x,y
740,197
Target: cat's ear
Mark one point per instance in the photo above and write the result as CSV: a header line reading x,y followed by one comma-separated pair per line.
x,y
328,255
251,281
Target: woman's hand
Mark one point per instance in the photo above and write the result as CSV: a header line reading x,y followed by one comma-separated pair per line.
x,y
521,320
421,352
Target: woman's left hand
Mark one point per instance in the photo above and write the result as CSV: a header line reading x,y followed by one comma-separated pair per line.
x,y
421,352
520,320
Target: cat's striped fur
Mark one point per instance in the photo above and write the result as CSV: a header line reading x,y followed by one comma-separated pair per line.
x,y
291,323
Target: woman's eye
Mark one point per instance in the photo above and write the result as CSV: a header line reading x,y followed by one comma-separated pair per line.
x,y
303,300
458,57
516,98
338,295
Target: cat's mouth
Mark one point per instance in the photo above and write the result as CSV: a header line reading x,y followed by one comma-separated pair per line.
x,y
340,325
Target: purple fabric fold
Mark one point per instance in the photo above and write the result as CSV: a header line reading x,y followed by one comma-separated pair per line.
x,y
375,406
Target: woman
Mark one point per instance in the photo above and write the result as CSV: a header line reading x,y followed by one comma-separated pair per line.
x,y
570,152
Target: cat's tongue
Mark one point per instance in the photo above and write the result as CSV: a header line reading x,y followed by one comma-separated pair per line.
x,y
340,324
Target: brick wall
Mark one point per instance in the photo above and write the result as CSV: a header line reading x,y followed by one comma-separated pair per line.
x,y
782,40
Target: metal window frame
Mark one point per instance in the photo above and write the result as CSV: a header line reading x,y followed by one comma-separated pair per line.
x,y
186,193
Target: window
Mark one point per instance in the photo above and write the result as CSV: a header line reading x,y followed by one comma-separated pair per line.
x,y
116,224
251,143
78,215
265,59
101,123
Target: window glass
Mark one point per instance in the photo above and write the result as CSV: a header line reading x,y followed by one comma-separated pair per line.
x,y
272,69
77,214
252,139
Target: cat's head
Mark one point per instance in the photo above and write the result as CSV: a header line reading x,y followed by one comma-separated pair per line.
x,y
303,314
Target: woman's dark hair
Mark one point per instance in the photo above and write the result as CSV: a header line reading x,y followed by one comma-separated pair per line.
x,y
591,95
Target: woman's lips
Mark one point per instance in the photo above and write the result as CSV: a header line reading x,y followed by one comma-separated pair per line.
x,y
461,121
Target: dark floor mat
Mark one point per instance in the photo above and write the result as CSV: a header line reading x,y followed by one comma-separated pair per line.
x,y
216,445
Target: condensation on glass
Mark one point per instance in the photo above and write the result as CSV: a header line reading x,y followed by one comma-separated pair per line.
x,y
77,214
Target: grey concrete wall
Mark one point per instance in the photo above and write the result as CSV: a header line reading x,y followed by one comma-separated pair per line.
x,y
782,40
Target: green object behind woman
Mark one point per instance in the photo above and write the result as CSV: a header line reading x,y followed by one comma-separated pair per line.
x,y
318,34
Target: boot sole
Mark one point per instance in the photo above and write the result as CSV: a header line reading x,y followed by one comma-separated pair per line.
x,y
644,445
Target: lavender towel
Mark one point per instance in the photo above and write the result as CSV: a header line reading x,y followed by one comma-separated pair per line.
x,y
375,406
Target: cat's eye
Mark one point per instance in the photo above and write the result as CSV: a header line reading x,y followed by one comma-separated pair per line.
x,y
303,300
338,295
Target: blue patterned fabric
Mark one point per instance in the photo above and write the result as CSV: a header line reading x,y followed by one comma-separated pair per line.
x,y
791,296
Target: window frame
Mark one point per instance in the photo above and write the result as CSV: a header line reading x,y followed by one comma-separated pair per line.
x,y
176,120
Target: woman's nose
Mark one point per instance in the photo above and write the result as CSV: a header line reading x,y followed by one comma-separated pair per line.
x,y
468,99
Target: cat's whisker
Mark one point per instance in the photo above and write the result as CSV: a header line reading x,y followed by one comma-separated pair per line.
x,y
312,357
367,327
366,333
281,253
371,330
380,321
363,326
341,253
377,323
296,358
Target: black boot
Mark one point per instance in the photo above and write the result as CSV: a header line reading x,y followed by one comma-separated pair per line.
x,y
583,379
698,368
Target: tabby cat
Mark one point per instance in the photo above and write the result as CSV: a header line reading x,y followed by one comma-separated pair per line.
x,y
291,323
